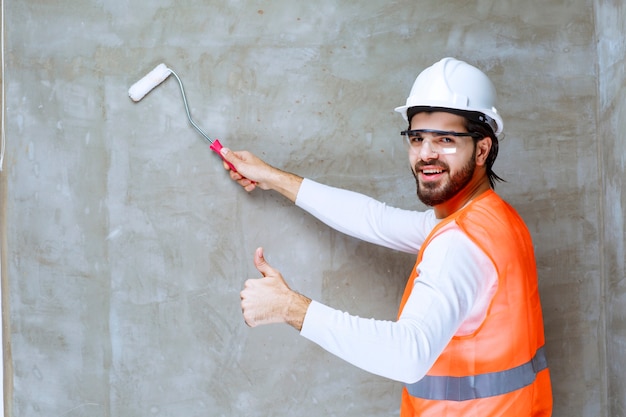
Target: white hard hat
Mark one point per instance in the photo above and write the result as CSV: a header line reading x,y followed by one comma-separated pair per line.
x,y
455,85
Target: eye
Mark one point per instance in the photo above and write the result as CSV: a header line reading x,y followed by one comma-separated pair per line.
x,y
445,140
416,139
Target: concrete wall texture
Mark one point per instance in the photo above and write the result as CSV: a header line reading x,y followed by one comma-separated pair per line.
x,y
125,245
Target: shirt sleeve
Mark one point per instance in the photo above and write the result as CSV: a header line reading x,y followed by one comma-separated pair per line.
x,y
456,282
365,218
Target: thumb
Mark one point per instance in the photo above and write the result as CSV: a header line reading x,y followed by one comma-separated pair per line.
x,y
261,264
229,156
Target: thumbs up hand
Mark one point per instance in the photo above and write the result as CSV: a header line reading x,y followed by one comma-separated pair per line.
x,y
269,299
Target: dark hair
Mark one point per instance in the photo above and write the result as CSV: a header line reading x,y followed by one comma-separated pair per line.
x,y
484,130
474,123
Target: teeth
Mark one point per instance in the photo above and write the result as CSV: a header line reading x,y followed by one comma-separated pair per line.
x,y
432,171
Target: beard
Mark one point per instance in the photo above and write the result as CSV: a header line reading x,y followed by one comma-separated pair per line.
x,y
433,194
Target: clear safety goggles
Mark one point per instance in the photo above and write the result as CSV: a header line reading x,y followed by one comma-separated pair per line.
x,y
441,142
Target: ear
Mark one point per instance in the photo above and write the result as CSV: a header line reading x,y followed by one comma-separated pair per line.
x,y
483,147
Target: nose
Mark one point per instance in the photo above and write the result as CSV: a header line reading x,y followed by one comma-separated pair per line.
x,y
427,152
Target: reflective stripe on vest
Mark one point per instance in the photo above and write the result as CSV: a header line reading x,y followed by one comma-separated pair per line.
x,y
479,386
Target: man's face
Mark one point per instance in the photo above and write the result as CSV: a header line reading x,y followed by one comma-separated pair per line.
x,y
439,175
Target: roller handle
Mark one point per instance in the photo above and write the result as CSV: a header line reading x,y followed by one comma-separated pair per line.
x,y
217,147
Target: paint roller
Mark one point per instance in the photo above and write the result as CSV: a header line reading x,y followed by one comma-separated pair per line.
x,y
155,77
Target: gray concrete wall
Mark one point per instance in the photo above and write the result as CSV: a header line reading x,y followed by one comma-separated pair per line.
x,y
611,26
126,245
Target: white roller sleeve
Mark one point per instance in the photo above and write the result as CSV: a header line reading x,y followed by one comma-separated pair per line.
x,y
155,77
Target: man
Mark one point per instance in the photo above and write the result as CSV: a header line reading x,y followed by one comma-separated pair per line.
x,y
469,339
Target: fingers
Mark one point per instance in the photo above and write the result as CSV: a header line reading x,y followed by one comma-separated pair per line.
x,y
247,307
258,302
243,181
237,160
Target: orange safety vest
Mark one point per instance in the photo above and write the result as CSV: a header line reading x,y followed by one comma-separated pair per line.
x,y
500,369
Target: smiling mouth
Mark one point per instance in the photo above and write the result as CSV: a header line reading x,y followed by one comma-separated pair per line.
x,y
432,171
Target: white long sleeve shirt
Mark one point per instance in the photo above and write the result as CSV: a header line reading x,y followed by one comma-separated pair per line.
x,y
455,286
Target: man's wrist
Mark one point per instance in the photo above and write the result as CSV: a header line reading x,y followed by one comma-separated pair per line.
x,y
296,310
286,183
